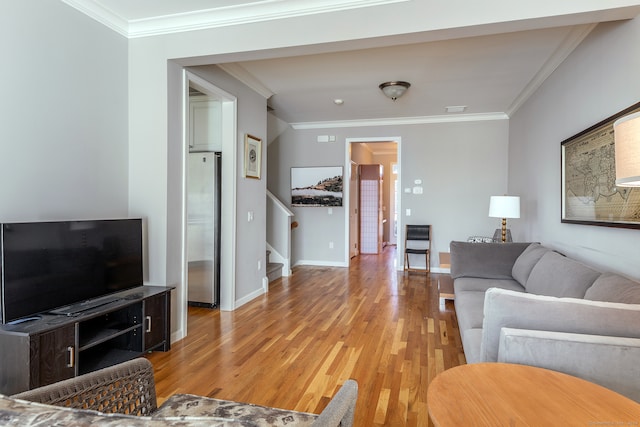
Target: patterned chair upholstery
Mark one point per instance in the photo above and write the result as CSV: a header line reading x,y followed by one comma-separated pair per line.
x,y
125,394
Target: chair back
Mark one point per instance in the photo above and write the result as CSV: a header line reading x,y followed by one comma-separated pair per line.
x,y
418,232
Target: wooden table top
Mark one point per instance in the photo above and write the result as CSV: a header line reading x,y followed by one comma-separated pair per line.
x,y
501,394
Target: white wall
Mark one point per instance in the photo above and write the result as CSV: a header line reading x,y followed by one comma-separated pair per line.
x,y
63,109
598,79
460,164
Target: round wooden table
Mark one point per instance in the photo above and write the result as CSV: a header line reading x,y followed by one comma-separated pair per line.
x,y
501,394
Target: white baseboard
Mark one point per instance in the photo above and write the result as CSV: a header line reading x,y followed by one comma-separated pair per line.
x,y
321,263
177,335
242,301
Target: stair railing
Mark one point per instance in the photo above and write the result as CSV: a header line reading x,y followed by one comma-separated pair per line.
x,y
279,232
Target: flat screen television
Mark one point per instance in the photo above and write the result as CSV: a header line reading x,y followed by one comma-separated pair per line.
x,y
48,265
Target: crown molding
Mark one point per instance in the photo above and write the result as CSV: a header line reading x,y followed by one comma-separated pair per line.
x,y
238,72
401,121
257,11
570,42
101,14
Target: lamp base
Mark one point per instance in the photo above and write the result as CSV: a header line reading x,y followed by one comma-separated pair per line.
x,y
497,236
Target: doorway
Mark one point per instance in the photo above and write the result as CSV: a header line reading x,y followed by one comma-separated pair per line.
x,y
374,150
228,169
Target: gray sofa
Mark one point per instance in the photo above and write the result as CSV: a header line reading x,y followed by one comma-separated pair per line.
x,y
525,303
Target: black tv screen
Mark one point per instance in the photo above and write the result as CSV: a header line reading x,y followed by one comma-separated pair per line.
x,y
46,265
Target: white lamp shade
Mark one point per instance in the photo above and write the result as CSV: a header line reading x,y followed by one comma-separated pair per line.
x,y
504,207
627,148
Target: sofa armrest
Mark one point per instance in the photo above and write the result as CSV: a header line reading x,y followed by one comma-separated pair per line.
x,y
611,362
509,309
127,388
485,260
341,409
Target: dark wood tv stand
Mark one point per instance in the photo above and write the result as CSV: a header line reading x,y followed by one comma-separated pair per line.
x,y
53,347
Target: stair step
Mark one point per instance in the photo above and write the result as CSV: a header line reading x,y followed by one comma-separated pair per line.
x,y
274,270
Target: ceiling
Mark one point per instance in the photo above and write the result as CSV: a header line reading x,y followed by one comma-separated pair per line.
x,y
489,75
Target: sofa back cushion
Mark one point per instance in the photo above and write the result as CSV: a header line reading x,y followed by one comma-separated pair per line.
x,y
614,288
486,260
558,276
526,261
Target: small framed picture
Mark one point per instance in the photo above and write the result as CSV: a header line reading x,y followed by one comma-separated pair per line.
x,y
252,156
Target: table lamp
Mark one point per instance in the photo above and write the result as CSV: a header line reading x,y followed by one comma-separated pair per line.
x,y
627,150
504,207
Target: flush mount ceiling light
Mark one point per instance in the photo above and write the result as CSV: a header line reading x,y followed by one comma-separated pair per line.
x,y
394,90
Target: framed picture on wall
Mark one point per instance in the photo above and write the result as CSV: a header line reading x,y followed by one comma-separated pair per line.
x,y
589,192
316,186
252,156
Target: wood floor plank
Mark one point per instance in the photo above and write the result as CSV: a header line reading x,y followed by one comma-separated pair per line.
x,y
293,347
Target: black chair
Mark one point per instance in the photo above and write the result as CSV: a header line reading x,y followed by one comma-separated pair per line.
x,y
417,241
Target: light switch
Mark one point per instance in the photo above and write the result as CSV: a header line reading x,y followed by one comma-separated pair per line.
x,y
249,216
408,212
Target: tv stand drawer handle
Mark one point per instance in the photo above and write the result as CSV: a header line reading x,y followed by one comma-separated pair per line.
x,y
72,358
148,323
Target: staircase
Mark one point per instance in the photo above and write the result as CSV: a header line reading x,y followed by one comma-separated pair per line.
x,y
274,269
278,242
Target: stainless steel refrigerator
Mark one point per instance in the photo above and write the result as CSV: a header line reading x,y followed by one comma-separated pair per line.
x,y
203,228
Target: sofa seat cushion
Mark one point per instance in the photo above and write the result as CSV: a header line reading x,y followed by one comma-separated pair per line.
x,y
464,284
558,276
469,309
614,288
526,261
471,344
198,406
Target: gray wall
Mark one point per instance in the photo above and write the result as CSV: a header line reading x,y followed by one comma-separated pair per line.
x,y
598,79
460,164
64,115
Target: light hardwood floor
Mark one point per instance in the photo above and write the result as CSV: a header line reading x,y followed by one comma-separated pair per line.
x,y
293,347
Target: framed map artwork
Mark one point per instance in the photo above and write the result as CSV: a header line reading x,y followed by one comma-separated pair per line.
x,y
589,193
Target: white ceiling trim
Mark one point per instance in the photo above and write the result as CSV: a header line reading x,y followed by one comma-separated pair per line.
x,y
401,121
101,14
237,71
573,39
258,11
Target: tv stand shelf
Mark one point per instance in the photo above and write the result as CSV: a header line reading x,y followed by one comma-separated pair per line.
x,y
53,347
103,335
